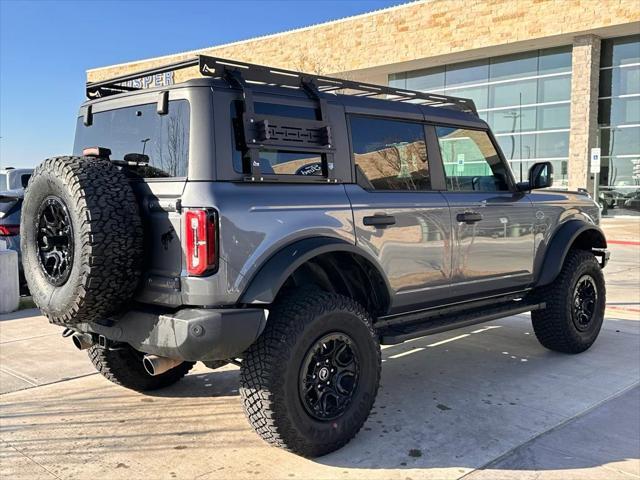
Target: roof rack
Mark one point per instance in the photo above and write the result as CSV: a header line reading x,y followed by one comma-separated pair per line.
x,y
251,73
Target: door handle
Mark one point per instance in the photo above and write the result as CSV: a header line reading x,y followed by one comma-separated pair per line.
x,y
379,221
469,217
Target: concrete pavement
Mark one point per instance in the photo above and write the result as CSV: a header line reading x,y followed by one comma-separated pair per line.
x,y
485,402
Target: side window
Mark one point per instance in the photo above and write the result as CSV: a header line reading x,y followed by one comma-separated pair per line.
x,y
276,162
471,162
391,154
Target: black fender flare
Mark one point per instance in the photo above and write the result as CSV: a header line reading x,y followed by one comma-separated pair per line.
x,y
266,283
560,244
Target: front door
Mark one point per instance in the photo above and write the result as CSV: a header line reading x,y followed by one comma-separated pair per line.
x,y
398,218
492,223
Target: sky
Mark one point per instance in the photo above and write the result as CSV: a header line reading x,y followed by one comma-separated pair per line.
x,y
46,46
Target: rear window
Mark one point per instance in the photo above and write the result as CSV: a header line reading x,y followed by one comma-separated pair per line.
x,y
139,129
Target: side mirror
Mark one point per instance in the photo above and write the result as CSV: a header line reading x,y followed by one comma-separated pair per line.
x,y
540,176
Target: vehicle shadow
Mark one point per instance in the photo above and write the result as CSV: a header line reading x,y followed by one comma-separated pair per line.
x,y
463,398
216,383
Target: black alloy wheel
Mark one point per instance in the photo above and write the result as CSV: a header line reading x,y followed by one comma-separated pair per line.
x,y
585,298
55,240
329,376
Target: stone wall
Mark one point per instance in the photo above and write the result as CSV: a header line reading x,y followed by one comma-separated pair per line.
x,y
418,30
585,74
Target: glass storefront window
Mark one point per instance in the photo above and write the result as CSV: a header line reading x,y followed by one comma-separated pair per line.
x,y
554,89
554,60
619,116
510,92
620,81
620,111
552,145
620,51
516,147
513,93
426,80
479,95
553,116
513,66
398,80
468,73
512,120
620,141
622,174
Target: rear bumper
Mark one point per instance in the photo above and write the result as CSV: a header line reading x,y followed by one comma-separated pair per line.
x,y
189,334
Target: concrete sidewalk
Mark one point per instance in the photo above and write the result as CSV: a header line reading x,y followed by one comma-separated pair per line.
x,y
484,402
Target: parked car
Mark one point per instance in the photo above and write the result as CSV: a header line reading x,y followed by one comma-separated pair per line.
x,y
12,184
633,202
260,217
614,198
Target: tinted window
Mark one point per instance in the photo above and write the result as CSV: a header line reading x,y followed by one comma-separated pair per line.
x,y
390,154
290,163
279,162
139,129
24,180
471,162
3,182
281,110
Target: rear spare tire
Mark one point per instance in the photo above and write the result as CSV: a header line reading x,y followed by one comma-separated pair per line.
x,y
82,239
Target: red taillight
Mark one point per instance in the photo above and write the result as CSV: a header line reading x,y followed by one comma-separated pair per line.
x,y
9,230
200,241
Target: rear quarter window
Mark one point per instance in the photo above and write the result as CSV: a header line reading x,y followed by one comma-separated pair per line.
x,y
140,129
274,161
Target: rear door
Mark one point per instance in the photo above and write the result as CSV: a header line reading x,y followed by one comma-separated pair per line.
x,y
492,222
398,218
164,141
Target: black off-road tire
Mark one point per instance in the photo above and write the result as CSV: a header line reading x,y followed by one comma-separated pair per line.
x,y
123,366
554,326
271,369
107,239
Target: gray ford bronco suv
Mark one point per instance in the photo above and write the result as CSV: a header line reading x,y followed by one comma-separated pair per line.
x,y
290,224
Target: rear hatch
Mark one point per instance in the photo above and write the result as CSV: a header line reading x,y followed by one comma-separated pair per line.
x,y
161,144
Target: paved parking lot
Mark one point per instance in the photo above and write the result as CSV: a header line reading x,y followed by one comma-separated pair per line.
x,y
483,402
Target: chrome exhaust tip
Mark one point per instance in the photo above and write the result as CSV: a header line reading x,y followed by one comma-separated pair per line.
x,y
156,365
82,341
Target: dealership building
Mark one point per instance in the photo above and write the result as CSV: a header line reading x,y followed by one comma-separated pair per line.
x,y
554,78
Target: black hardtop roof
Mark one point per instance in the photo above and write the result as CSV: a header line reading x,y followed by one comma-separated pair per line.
x,y
224,73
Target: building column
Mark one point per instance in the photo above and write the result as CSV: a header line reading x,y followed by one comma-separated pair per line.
x,y
583,135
